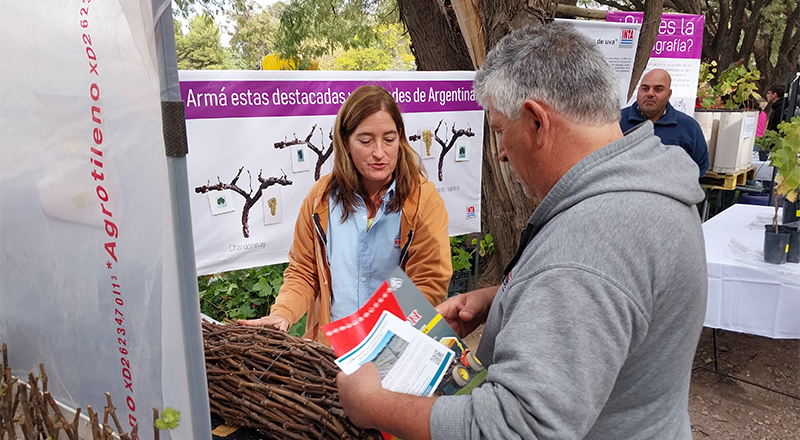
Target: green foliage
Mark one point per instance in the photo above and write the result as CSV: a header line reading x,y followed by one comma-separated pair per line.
x,y
705,92
487,245
393,38
370,58
461,258
312,28
391,50
363,35
736,86
461,254
773,17
240,294
254,31
201,48
785,156
183,7
170,418
299,328
767,140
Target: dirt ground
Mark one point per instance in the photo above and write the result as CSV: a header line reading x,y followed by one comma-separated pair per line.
x,y
721,408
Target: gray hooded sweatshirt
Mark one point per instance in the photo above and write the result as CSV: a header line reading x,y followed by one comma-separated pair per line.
x,y
593,331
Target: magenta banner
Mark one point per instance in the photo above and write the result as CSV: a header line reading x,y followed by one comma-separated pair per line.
x,y
679,35
253,99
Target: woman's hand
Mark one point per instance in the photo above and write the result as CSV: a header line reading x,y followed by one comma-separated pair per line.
x,y
272,321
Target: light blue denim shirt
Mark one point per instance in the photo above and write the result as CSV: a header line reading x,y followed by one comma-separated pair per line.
x,y
360,260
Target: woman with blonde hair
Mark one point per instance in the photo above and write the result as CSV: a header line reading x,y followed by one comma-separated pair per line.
x,y
375,211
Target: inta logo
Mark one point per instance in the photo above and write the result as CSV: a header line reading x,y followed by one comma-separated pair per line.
x,y
626,39
470,211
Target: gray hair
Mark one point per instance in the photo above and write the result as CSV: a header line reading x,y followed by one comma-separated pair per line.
x,y
554,64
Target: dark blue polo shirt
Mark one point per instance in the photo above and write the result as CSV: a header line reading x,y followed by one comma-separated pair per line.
x,y
674,128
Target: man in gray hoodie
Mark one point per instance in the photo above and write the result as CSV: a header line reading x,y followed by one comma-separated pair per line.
x,y
593,330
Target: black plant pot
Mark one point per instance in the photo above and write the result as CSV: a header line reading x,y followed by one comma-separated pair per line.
x,y
793,256
459,282
790,211
763,156
776,245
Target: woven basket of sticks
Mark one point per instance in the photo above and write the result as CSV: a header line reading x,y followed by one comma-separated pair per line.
x,y
277,383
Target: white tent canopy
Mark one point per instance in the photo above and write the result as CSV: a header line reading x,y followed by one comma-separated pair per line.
x,y
97,278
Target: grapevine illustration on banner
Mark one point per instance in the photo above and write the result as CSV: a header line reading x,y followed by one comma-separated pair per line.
x,y
445,144
250,197
322,153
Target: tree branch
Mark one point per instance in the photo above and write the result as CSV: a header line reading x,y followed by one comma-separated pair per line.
x,y
687,6
616,5
750,26
722,29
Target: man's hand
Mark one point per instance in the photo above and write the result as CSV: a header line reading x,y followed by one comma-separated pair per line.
x,y
272,321
355,392
467,311
369,405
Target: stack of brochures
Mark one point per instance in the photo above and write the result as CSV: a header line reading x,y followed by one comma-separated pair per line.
x,y
412,346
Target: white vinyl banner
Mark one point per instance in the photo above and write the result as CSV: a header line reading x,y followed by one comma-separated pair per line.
x,y
87,265
618,43
678,50
258,140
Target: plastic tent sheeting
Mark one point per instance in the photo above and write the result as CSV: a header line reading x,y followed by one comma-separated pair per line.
x,y
93,256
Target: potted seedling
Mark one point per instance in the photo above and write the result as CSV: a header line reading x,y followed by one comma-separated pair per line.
x,y
765,143
462,258
733,89
785,157
729,114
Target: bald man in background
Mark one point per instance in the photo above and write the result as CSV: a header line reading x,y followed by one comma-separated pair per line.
x,y
672,126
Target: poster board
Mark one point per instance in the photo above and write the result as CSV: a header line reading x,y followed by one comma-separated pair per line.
x,y
617,42
278,124
677,50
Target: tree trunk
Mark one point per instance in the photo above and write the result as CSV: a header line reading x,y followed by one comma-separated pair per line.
x,y
457,35
436,39
750,29
720,31
728,51
788,54
647,40
505,209
500,17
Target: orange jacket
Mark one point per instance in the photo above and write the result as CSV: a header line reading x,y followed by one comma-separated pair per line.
x,y
306,282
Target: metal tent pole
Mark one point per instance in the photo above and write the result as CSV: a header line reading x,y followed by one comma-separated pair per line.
x,y
175,142
475,270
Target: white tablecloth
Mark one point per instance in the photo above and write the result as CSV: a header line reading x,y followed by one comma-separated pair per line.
x,y
746,294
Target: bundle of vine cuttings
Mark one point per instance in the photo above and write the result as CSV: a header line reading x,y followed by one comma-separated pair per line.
x,y
29,411
274,382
